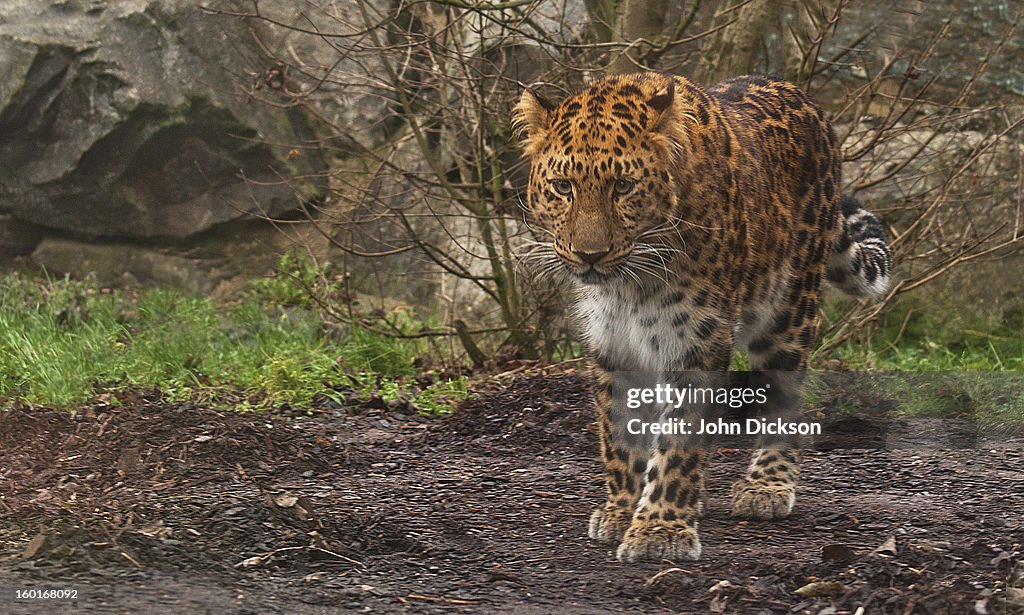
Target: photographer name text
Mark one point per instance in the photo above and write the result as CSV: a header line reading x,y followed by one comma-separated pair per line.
x,y
719,427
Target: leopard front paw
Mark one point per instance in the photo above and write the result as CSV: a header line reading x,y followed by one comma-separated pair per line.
x,y
609,522
658,540
753,499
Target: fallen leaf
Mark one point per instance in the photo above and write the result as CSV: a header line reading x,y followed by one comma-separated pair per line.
x,y
249,562
285,501
33,547
304,508
720,586
821,589
887,548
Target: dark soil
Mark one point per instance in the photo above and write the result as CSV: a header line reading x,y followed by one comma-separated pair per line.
x,y
156,508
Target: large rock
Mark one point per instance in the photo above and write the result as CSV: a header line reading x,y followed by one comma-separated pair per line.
x,y
126,119
16,237
218,262
124,265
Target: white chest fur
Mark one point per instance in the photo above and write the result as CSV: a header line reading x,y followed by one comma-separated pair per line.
x,y
633,332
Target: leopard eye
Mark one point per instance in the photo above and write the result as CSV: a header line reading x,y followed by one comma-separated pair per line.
x,y
623,186
562,186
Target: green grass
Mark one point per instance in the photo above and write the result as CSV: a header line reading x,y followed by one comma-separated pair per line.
x,y
919,335
62,343
940,360
439,398
994,400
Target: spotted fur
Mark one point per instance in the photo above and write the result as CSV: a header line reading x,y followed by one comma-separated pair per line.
x,y
691,222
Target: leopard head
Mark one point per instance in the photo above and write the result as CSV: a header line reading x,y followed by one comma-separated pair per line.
x,y
603,166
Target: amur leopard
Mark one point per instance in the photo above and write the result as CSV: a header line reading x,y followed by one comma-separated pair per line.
x,y
692,222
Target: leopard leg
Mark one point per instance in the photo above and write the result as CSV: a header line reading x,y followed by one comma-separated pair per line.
x,y
768,491
665,521
780,353
624,470
664,525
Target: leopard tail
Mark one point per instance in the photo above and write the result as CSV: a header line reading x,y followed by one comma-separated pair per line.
x,y
861,260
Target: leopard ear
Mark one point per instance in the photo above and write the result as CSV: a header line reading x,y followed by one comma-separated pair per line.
x,y
663,98
530,119
663,103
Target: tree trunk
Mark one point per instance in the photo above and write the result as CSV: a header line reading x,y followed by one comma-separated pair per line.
x,y
638,20
602,18
733,50
803,27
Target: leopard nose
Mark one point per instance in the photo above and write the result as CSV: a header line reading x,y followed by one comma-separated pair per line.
x,y
590,257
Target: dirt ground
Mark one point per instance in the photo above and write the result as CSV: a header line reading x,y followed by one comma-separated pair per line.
x,y
159,508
